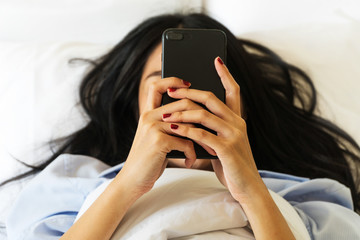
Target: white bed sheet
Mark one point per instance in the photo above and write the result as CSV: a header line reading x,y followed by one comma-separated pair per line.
x,y
190,204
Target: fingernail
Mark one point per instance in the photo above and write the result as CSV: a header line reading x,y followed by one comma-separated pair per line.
x,y
186,83
220,61
166,115
174,126
172,89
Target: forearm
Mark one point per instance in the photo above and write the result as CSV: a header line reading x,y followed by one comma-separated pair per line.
x,y
105,214
265,218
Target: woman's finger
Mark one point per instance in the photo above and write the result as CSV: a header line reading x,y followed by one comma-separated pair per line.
x,y
232,89
177,106
158,88
203,117
206,98
207,148
183,145
197,134
166,127
176,143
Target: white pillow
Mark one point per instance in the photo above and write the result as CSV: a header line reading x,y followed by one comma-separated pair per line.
x,y
99,21
330,54
243,16
39,89
321,37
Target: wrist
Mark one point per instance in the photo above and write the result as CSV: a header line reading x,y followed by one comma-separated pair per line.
x,y
265,218
124,187
257,199
254,188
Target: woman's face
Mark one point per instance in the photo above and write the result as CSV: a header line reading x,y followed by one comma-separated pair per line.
x,y
151,73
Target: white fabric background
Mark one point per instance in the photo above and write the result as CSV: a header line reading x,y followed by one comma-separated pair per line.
x,y
96,21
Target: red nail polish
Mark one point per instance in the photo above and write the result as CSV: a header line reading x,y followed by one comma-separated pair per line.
x,y
186,83
220,61
172,89
166,115
174,126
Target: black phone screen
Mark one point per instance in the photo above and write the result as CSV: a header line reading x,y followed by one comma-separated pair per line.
x,y
189,54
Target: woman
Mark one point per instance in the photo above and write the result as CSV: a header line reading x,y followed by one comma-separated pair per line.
x,y
269,124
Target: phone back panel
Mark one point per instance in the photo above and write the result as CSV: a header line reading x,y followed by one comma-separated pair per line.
x,y
189,54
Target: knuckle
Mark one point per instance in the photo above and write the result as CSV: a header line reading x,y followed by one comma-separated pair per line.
x,y
148,126
209,95
242,124
186,131
186,103
153,86
203,114
175,80
201,134
236,87
145,120
236,138
144,116
152,125
179,116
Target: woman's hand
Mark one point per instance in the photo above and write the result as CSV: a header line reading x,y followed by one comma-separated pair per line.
x,y
235,168
154,138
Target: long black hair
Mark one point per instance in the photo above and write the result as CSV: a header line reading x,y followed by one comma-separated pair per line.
x,y
279,98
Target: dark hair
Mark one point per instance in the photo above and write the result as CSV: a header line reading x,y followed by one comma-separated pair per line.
x,y
285,134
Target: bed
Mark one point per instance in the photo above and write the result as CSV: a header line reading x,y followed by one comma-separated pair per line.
x,y
38,85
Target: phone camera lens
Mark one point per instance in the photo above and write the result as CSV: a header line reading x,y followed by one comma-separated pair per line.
x,y
174,36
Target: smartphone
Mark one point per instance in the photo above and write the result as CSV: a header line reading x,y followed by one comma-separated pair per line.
x,y
189,54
